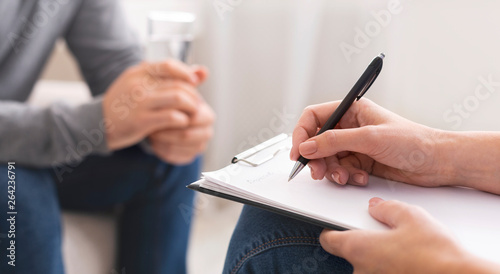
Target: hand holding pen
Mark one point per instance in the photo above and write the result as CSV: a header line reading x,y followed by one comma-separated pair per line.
x,y
358,90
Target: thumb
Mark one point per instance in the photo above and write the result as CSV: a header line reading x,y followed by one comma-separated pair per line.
x,y
334,141
336,242
173,69
392,213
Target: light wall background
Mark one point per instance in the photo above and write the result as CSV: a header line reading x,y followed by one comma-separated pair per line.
x,y
271,58
271,55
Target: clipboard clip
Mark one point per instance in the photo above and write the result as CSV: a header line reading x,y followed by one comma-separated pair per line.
x,y
245,155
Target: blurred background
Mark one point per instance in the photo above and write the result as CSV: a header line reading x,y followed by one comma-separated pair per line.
x,y
271,58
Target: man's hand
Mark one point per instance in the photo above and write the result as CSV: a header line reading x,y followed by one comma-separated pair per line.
x,y
415,243
181,146
148,98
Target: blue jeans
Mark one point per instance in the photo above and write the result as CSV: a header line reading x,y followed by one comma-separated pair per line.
x,y
265,242
153,225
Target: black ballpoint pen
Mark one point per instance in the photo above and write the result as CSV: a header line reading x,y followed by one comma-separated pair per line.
x,y
357,91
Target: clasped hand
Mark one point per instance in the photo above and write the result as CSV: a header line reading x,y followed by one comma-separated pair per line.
x,y
159,101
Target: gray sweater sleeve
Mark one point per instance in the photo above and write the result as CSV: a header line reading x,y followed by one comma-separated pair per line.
x,y
102,43
104,47
44,137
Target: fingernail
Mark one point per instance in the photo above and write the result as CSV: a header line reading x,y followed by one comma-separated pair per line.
x,y
336,177
309,147
375,201
359,178
312,174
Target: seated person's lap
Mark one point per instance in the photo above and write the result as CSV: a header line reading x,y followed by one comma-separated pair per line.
x,y
265,242
152,194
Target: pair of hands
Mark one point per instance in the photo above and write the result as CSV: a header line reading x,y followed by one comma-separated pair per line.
x,y
159,101
372,140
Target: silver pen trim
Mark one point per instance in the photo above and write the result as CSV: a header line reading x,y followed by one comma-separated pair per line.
x,y
296,169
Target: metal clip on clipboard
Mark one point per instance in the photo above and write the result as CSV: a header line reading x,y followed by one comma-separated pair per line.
x,y
246,155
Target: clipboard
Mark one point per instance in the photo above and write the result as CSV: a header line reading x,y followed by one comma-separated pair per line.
x,y
244,157
262,181
196,186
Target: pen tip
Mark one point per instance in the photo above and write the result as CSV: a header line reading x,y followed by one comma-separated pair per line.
x,y
381,55
296,169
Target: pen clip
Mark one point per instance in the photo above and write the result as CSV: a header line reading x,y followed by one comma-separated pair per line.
x,y
368,84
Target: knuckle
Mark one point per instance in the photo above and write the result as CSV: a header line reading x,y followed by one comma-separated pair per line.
x,y
365,101
410,213
134,83
177,98
330,138
371,132
415,212
171,62
147,68
170,116
152,68
308,110
169,65
150,82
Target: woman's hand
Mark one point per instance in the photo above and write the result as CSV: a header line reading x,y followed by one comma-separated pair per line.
x,y
415,243
368,140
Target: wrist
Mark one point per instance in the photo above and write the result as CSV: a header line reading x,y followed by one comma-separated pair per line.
x,y
445,144
435,145
454,161
469,159
468,263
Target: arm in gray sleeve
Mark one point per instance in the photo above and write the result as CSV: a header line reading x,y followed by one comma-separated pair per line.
x,y
61,134
102,43
44,137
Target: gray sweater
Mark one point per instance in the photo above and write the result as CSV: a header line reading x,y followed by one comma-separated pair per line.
x,y
97,35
